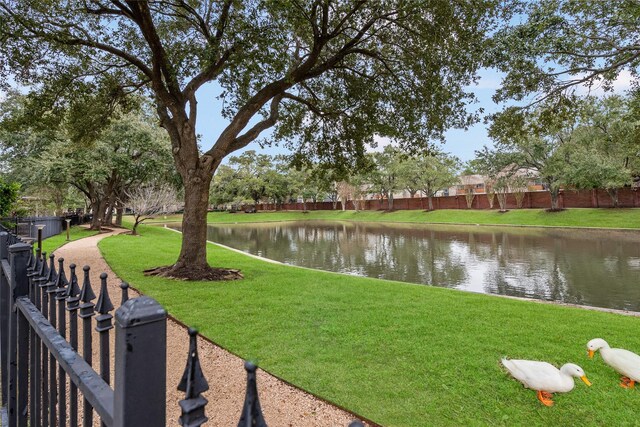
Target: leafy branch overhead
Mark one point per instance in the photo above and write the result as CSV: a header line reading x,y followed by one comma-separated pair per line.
x,y
551,48
331,72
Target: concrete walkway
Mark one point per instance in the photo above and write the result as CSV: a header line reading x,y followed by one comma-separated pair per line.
x,y
282,404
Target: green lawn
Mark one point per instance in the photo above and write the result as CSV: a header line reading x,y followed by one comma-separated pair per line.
x,y
54,242
607,218
399,354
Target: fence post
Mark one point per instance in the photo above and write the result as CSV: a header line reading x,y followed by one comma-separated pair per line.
x,y
18,360
140,369
4,319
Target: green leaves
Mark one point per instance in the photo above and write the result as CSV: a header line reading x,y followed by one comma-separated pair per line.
x,y
552,46
8,196
345,70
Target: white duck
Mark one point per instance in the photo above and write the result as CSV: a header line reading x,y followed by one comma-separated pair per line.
x,y
545,378
623,361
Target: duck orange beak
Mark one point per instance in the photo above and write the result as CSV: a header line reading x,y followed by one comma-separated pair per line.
x,y
586,381
591,353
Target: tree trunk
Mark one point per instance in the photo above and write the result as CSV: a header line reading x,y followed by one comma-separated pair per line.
x,y
555,206
430,202
390,200
98,207
134,230
613,193
193,253
108,218
502,201
119,213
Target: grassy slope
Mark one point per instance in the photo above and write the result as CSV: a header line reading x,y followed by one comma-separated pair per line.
x,y
607,218
54,242
400,354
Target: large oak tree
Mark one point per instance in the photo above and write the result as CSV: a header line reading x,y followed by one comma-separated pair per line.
x,y
326,75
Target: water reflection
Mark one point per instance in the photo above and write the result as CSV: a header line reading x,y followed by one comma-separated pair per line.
x,y
588,267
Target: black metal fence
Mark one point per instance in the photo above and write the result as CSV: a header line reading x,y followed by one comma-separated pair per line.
x,y
27,227
44,316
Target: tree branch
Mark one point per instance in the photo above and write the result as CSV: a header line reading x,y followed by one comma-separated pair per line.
x,y
249,136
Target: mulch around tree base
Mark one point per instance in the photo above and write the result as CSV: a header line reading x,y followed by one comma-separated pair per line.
x,y
206,274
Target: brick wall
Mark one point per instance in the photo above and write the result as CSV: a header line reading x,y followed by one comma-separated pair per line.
x,y
628,198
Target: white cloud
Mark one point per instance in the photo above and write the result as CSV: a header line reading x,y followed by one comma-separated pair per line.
x,y
623,82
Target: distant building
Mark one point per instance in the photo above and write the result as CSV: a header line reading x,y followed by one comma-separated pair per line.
x,y
478,183
467,184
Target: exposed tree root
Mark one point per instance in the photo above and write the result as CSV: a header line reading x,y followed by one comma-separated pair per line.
x,y
191,273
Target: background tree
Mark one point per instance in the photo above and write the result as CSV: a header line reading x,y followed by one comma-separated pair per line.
x,y
385,175
49,155
345,193
469,189
315,188
519,189
501,188
128,153
250,171
536,140
224,186
409,175
436,172
589,169
8,196
490,190
279,185
329,75
148,201
604,152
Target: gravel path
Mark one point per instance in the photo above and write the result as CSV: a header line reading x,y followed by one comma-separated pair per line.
x,y
282,404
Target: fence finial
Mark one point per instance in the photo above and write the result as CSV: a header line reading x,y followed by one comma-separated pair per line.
x,y
44,269
73,290
31,262
52,276
251,411
104,304
125,292
193,383
61,280
37,265
86,294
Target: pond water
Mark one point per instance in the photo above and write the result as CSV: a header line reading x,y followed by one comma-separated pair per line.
x,y
586,267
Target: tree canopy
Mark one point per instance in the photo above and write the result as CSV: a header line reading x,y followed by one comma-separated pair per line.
x,y
8,196
129,150
553,46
